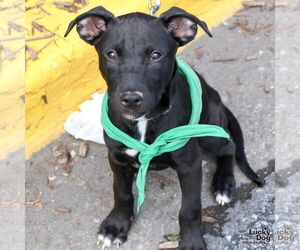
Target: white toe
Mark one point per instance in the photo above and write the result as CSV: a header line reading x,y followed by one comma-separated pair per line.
x,y
222,199
100,239
117,242
106,242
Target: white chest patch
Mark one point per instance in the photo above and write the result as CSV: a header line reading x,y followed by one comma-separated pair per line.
x,y
142,128
131,152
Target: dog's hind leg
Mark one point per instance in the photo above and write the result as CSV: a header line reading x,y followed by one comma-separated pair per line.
x,y
223,184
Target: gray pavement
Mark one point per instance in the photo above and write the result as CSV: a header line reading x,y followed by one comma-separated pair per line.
x,y
67,197
287,80
12,199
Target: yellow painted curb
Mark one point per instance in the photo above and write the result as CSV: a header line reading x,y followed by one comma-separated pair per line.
x,y
66,72
12,73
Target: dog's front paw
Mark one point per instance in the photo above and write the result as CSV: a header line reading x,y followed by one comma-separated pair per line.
x,y
113,230
224,188
107,241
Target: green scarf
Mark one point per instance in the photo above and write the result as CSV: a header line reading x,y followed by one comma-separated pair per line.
x,y
170,140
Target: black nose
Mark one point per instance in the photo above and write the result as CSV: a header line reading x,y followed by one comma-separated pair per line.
x,y
131,98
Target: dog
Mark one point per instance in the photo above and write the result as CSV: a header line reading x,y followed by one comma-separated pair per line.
x,y
147,96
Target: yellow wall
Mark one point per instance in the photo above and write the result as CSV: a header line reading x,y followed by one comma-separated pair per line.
x,y
66,72
12,72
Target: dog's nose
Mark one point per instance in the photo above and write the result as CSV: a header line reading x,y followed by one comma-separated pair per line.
x,y
131,98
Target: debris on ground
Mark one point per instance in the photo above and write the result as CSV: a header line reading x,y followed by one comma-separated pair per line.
x,y
173,216
35,203
229,59
253,4
208,219
73,153
199,52
163,180
251,57
168,245
68,167
268,88
83,149
63,157
172,237
12,203
63,209
54,182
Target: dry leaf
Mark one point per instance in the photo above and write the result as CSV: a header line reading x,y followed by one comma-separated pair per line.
x,y
173,216
208,219
57,153
62,160
251,57
73,153
253,4
83,149
11,203
224,59
68,167
54,182
35,203
63,209
199,53
168,245
163,179
172,237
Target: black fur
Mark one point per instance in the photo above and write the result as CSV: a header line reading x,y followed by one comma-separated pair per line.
x,y
125,49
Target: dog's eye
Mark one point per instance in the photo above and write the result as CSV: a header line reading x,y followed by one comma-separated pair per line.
x,y
112,55
155,55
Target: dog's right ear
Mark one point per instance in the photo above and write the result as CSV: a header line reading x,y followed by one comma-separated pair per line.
x,y
182,25
91,24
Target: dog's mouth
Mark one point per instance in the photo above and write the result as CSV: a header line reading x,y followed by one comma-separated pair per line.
x,y
149,115
132,114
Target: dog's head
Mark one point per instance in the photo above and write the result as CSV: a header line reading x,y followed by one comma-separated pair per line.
x,y
137,54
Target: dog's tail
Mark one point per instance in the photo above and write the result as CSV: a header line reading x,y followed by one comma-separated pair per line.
x,y
240,156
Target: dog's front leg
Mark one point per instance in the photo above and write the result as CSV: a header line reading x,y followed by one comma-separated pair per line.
x,y
115,227
190,215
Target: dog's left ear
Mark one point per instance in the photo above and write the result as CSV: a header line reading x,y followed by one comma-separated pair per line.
x,y
182,25
91,24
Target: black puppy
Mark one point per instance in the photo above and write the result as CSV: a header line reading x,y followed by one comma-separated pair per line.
x,y
148,96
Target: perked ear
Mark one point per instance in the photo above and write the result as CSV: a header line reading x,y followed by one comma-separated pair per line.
x,y
182,25
91,24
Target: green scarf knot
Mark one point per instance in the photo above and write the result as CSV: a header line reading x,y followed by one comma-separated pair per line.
x,y
170,140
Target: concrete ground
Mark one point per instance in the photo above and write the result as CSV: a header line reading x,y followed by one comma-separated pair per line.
x,y
12,199
287,80
68,196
